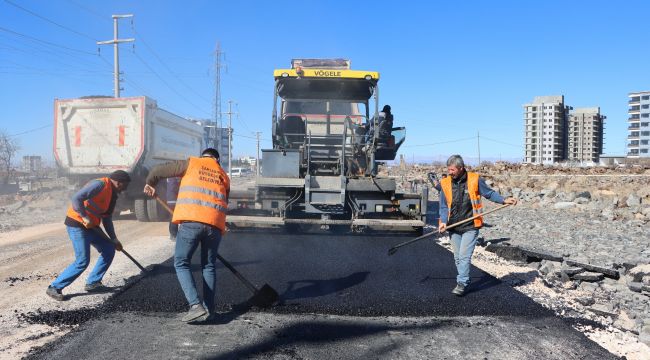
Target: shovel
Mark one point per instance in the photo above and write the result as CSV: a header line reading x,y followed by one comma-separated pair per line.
x,y
393,250
262,297
103,235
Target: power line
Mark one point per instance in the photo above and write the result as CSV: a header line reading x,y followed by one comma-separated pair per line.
x,y
46,42
31,130
166,83
442,142
250,137
241,120
140,38
503,142
89,10
53,59
48,20
29,47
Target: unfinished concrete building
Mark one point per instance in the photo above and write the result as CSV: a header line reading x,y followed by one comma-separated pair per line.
x,y
585,135
638,145
545,130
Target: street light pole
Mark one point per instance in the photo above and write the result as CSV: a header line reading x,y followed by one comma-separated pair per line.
x,y
257,160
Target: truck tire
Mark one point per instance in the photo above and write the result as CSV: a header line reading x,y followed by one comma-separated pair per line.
x,y
140,208
155,211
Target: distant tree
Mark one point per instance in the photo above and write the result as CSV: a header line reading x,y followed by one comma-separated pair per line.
x,y
9,146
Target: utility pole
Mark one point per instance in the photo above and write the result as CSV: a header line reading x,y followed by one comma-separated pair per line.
x,y
116,53
229,113
478,144
257,160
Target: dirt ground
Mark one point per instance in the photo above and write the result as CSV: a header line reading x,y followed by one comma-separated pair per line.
x,y
32,257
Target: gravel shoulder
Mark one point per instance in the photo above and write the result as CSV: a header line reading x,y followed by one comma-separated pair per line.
x,y
32,257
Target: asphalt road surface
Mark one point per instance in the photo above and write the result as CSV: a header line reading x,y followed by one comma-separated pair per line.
x,y
341,297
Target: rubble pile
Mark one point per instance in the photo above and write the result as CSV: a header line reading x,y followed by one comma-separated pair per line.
x,y
621,193
41,207
584,231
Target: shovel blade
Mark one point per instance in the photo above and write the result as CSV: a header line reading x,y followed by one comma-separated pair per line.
x,y
264,297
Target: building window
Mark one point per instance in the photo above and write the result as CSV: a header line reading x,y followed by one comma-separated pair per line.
x,y
643,142
645,106
645,97
644,151
645,115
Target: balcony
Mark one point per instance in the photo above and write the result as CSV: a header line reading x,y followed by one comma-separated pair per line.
x,y
631,137
633,119
633,154
635,108
634,100
632,127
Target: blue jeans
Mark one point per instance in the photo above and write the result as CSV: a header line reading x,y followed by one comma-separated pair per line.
x,y
81,239
463,245
190,235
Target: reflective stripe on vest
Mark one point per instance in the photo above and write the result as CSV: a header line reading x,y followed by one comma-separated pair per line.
x,y
96,207
202,194
201,203
474,195
203,191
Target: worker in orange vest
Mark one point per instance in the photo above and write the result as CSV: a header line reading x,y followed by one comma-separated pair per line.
x,y
201,214
460,200
91,206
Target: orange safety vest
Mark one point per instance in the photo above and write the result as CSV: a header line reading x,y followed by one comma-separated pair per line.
x,y
474,195
203,194
97,207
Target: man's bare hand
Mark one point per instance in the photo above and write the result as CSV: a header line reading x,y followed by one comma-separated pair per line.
x,y
118,245
85,220
442,228
510,201
150,190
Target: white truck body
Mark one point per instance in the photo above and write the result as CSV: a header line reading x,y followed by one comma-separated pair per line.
x,y
95,136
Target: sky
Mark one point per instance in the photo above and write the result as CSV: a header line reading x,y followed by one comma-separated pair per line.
x,y
453,72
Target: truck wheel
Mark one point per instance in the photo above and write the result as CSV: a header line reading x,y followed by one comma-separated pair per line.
x,y
156,211
141,210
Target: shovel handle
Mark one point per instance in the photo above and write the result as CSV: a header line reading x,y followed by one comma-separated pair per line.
x,y
164,204
134,260
393,250
476,216
103,235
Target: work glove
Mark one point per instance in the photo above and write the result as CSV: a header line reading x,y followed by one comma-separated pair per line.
x,y
432,177
85,220
118,244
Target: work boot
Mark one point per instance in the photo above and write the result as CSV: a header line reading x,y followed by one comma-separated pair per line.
x,y
95,287
459,290
54,293
196,311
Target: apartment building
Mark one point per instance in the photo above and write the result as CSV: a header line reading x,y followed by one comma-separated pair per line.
x,y
638,145
546,121
585,135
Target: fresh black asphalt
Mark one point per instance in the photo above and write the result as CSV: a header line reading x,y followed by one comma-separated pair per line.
x,y
316,274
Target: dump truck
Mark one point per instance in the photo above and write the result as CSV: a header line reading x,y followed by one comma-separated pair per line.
x,y
329,138
96,135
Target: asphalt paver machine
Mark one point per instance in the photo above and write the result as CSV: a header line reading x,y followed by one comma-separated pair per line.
x,y
329,137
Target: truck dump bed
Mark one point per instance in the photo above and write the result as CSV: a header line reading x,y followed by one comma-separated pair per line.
x,y
94,136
